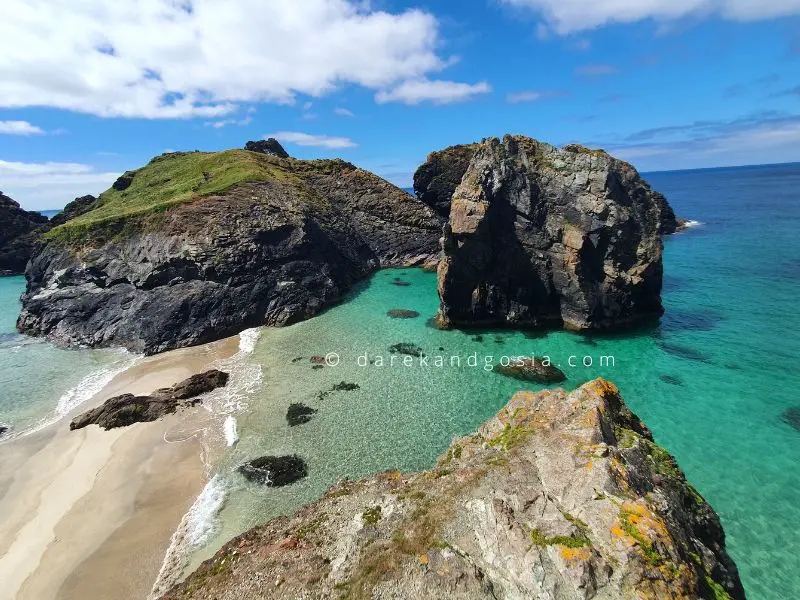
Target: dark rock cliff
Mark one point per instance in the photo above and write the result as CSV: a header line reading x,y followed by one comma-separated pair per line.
x,y
19,230
273,249
542,236
74,209
561,496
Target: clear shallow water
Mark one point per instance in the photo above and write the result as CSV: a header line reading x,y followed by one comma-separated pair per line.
x,y
711,380
39,382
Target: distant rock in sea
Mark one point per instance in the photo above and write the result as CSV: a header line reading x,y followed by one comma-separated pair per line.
x,y
196,246
19,232
545,236
560,496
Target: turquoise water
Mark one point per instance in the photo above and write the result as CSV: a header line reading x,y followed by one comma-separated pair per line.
x,y
711,380
39,382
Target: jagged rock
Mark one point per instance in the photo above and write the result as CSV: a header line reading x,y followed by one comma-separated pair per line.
x,y
298,414
532,369
19,232
437,179
345,387
402,313
124,181
3,430
561,496
127,409
74,209
274,471
542,236
274,249
270,147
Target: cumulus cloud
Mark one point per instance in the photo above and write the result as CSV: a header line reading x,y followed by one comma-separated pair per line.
x,y
568,16
19,128
437,91
200,58
306,139
50,185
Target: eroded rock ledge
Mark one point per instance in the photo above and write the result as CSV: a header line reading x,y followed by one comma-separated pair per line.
x,y
560,496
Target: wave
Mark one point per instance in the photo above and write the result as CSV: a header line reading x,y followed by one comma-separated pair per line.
x,y
194,530
231,435
90,386
248,339
690,224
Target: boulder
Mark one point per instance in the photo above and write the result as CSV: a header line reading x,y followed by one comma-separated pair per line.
x,y
274,471
541,236
532,369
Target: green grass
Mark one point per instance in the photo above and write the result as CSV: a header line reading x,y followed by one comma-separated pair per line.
x,y
173,179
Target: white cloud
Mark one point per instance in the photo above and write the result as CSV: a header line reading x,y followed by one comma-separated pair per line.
x,y
532,96
568,16
226,122
307,139
50,185
200,58
19,128
438,92
343,112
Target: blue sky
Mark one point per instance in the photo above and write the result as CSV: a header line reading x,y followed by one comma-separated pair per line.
x,y
665,84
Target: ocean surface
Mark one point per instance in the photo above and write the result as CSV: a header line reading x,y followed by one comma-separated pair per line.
x,y
712,380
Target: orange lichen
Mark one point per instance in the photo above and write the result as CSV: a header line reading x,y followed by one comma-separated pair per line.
x,y
575,553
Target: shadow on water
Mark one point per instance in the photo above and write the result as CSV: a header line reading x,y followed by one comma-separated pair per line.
x,y
676,319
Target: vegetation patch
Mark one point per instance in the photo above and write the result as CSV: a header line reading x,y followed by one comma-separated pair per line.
x,y
371,516
568,541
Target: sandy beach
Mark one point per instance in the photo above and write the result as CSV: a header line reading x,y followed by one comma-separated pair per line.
x,y
89,514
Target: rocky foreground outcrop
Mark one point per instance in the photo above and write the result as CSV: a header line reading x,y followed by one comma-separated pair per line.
x,y
19,230
198,246
546,236
127,409
560,496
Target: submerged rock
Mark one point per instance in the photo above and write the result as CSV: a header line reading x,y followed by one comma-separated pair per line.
x,y
406,348
561,496
671,379
274,471
127,409
532,369
299,413
401,313
345,387
400,283
545,236
791,416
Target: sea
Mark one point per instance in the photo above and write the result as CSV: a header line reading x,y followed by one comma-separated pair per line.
x,y
713,380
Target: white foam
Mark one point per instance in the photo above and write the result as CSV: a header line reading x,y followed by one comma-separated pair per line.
x,y
195,529
231,435
690,224
90,386
248,339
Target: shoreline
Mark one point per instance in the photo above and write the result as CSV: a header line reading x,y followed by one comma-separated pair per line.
x,y
83,507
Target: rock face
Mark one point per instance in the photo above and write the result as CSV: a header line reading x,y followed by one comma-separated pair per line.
x,y
74,209
270,147
274,242
128,409
560,496
19,230
437,179
542,236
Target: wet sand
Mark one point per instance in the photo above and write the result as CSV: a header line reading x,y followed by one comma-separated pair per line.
x,y
89,514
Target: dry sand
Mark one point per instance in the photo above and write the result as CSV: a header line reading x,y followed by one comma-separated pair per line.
x,y
89,514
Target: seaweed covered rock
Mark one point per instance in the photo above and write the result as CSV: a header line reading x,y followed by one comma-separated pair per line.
x,y
274,471
532,369
542,236
561,496
201,245
299,414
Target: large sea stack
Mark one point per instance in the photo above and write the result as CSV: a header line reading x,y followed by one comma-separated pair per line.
x,y
561,496
196,246
19,230
546,236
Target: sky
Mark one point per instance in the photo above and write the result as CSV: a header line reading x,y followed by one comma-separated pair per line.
x,y
93,88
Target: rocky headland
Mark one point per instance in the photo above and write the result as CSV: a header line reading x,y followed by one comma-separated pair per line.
x,y
197,246
544,236
560,496
19,231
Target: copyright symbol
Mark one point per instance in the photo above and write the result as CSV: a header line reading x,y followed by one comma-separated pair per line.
x,y
332,359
